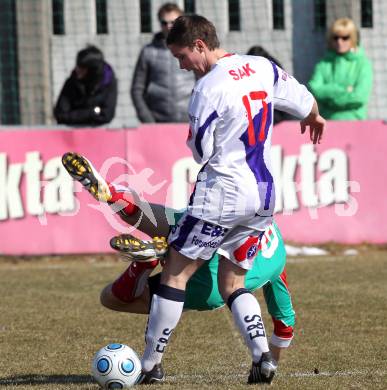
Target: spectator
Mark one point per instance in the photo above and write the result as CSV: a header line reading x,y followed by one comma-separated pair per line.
x,y
160,89
89,95
342,80
279,116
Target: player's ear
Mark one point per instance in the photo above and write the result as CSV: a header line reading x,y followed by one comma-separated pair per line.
x,y
200,45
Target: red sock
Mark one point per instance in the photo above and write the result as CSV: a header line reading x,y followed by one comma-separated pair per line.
x,y
281,330
131,283
123,200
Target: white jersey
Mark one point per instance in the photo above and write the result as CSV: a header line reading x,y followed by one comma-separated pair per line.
x,y
231,121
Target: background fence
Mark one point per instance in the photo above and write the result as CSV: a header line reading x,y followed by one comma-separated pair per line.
x,y
40,38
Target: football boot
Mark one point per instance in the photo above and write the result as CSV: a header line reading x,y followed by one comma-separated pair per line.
x,y
155,375
83,171
264,370
135,249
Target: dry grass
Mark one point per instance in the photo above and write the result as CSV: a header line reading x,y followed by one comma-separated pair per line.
x,y
52,323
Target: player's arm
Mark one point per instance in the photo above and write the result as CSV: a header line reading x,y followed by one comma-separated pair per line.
x,y
316,124
294,98
203,118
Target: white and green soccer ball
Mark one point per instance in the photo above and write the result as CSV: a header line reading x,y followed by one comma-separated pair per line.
x,y
116,366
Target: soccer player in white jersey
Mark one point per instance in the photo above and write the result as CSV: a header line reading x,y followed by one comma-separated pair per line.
x,y
132,290
230,110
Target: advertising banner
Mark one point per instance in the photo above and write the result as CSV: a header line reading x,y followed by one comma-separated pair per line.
x,y
42,210
334,191
331,192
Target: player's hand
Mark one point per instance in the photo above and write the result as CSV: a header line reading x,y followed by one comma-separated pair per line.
x,y
316,124
316,127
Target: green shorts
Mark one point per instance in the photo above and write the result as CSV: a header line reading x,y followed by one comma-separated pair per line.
x,y
202,291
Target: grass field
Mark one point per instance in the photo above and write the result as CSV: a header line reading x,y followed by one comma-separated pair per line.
x,y
51,324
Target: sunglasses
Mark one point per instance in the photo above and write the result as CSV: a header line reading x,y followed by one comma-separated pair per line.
x,y
344,37
166,22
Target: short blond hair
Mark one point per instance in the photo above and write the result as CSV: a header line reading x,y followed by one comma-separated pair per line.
x,y
167,8
343,26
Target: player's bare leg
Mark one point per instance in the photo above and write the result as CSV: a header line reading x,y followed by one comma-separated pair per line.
x,y
139,305
178,269
230,278
275,352
123,201
129,292
280,339
158,226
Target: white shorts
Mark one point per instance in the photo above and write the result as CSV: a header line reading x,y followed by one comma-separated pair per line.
x,y
199,239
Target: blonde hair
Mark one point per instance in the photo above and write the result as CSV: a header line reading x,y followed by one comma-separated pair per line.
x,y
343,26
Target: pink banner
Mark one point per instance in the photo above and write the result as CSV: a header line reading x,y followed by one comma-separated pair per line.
x,y
334,191
341,183
330,192
39,213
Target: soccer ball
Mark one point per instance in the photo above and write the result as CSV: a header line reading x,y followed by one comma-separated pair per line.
x,y
116,366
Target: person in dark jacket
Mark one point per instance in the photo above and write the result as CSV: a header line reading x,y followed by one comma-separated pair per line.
x,y
160,90
279,116
89,95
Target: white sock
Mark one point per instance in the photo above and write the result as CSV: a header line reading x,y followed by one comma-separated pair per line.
x,y
167,306
120,188
247,316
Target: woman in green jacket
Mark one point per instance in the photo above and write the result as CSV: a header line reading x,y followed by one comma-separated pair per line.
x,y
342,80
